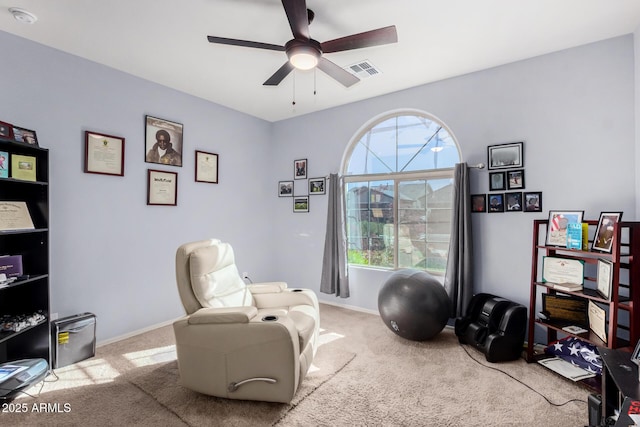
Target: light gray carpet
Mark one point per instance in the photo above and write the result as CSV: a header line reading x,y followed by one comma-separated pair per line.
x,y
363,375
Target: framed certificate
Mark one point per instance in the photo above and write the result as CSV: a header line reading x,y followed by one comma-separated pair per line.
x,y
562,270
103,154
15,216
206,167
604,278
162,188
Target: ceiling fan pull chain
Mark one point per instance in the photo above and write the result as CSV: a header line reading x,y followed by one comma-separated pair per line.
x,y
315,74
293,103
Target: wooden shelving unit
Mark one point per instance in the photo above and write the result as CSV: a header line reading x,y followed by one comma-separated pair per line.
x,y
625,296
30,294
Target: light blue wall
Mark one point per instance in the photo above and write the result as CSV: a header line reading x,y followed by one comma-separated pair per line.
x,y
111,254
573,109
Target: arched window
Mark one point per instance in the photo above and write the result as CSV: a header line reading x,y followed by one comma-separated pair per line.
x,y
398,179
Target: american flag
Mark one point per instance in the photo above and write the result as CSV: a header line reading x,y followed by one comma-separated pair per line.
x,y
578,353
555,222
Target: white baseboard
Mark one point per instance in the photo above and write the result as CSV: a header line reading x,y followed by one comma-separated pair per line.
x,y
137,332
351,307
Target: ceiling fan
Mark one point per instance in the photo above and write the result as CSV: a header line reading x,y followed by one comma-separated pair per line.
x,y
305,53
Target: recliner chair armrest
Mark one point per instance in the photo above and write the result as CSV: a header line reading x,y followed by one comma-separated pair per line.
x,y
286,298
223,315
267,287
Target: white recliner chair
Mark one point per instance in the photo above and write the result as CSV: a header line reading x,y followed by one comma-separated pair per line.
x,y
239,341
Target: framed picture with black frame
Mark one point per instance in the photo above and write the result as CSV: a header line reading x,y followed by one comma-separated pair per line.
x,y
496,181
603,238
478,203
496,203
513,201
532,201
515,179
505,156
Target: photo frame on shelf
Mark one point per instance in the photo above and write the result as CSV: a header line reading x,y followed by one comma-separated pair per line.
x,y
301,204
285,188
603,237
513,201
6,130
496,203
162,188
317,186
604,278
496,181
103,154
300,169
532,201
163,141
478,203
206,167
505,156
25,135
557,226
515,179
4,164
23,167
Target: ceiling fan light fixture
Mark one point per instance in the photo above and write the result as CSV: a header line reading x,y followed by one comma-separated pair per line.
x,y
303,57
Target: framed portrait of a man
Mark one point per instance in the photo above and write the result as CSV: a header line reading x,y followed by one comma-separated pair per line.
x,y
163,141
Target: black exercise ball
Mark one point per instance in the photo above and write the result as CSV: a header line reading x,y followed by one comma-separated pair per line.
x,y
414,305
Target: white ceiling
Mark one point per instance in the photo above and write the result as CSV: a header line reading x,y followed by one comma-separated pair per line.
x,y
165,41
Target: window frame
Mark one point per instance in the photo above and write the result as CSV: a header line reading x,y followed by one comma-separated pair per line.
x,y
396,177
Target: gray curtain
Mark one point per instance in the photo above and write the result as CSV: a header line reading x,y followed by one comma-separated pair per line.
x,y
335,279
458,281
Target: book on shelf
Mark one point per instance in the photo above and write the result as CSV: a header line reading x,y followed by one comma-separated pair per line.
x,y
571,287
574,329
11,265
23,167
574,236
4,164
566,369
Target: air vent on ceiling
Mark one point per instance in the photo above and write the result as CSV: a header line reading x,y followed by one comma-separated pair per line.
x,y
363,69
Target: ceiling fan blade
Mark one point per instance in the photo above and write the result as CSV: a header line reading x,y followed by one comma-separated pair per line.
x,y
296,11
245,43
279,75
342,76
377,37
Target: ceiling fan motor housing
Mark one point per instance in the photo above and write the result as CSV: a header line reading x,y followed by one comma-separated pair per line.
x,y
303,54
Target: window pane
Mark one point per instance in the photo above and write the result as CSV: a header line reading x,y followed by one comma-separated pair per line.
x,y
369,215
409,229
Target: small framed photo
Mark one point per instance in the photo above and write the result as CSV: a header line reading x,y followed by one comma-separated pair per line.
x,y
206,167
285,188
496,202
478,203
604,278
506,156
6,130
162,188
103,154
496,181
532,201
300,169
25,135
301,204
557,226
515,179
317,186
163,141
513,201
603,239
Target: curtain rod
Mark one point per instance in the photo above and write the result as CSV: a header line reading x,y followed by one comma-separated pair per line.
x,y
478,166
